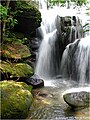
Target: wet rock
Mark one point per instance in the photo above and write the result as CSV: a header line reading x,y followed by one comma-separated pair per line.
x,y
34,44
58,76
45,95
35,81
77,98
16,99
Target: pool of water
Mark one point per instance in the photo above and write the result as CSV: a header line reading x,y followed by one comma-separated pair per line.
x,y
48,102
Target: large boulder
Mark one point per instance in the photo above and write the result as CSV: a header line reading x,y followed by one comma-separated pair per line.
x,y
77,97
16,99
28,17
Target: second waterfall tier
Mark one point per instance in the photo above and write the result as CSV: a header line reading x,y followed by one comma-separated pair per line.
x,y
76,61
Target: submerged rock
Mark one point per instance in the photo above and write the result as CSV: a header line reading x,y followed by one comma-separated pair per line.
x,y
16,99
83,113
77,98
35,81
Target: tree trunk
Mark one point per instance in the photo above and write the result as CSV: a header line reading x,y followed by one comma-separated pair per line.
x,y
4,22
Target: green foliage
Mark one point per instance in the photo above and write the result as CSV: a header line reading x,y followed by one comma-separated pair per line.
x,y
23,5
7,20
9,34
3,12
54,2
79,2
15,37
11,22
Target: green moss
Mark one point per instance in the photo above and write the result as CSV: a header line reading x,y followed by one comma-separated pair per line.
x,y
23,5
16,99
23,69
16,69
15,50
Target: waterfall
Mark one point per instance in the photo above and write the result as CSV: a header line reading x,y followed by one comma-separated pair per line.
x,y
76,61
54,40
43,4
45,66
83,60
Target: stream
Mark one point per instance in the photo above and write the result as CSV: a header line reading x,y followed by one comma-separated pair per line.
x,y
48,102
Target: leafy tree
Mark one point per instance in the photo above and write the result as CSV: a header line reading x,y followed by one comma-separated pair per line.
x,y
54,2
3,11
77,2
80,2
6,19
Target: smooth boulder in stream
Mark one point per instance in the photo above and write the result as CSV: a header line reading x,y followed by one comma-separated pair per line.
x,y
77,97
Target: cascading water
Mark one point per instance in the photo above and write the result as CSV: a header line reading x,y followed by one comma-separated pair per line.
x,y
76,61
49,56
44,67
83,60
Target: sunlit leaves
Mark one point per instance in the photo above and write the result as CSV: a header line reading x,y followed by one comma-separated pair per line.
x,y
79,2
3,12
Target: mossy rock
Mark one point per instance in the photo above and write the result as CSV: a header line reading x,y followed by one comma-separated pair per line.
x,y
15,50
16,99
16,69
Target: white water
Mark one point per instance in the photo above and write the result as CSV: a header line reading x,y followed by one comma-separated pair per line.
x,y
49,30
80,59
43,4
44,67
83,60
